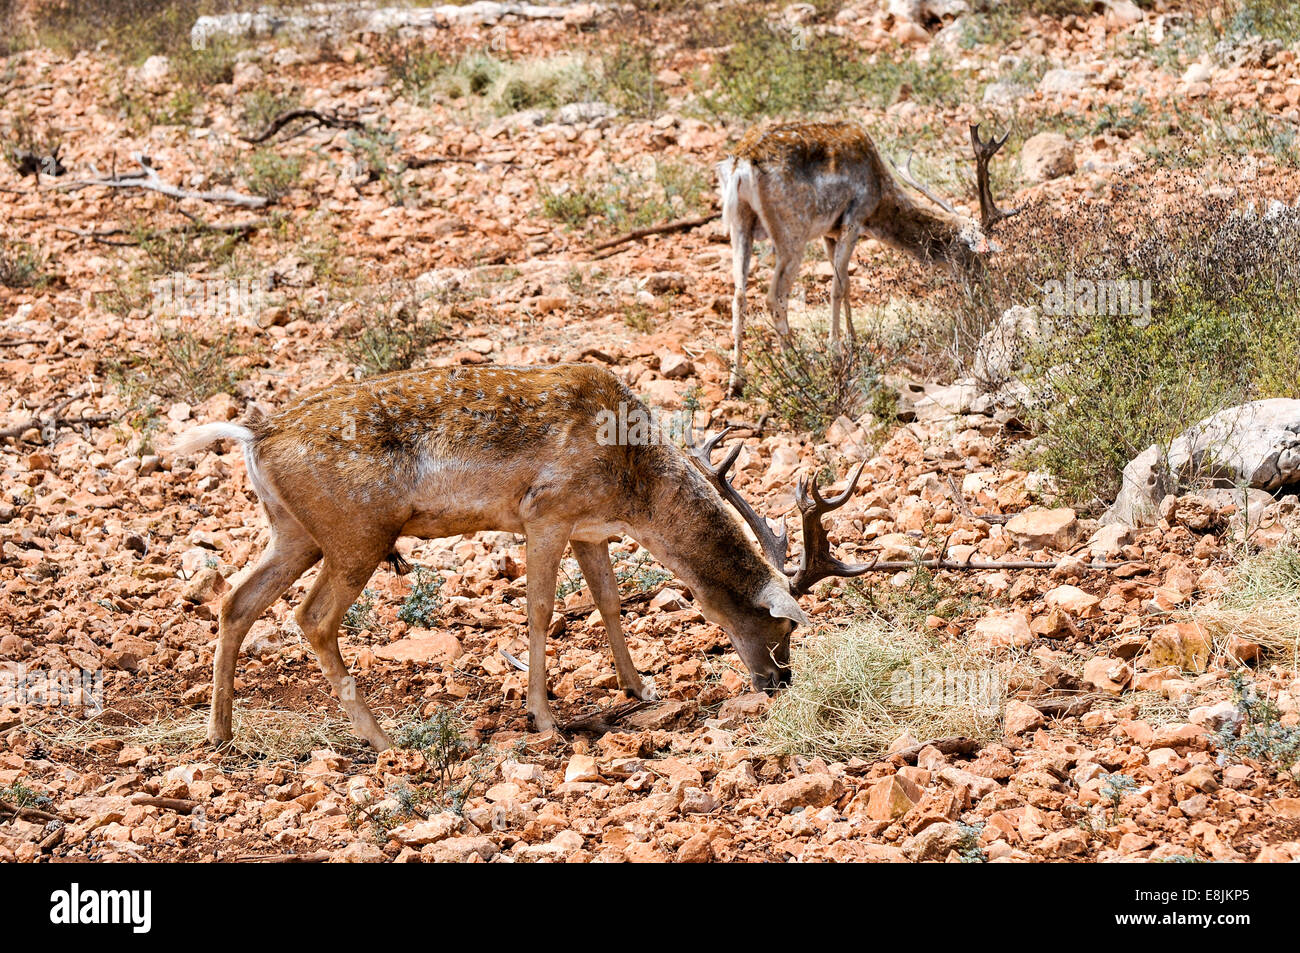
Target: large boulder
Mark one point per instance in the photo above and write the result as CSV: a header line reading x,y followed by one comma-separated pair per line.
x,y
1255,445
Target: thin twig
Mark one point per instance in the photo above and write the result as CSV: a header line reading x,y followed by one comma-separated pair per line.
x,y
331,120
681,225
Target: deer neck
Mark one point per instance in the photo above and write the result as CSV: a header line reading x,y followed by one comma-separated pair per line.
x,y
690,529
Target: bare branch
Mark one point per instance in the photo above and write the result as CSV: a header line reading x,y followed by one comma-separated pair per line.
x,y
330,120
149,180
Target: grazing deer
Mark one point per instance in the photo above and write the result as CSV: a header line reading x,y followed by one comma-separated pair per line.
x,y
429,453
797,181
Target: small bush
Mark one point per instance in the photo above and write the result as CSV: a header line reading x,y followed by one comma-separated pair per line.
x,y
805,382
1261,735
271,175
361,614
395,339
181,366
421,606
439,737
21,265
769,70
1274,19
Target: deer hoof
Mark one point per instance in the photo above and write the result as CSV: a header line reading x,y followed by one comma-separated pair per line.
x,y
646,692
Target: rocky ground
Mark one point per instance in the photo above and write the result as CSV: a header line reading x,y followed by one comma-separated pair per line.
x,y
115,552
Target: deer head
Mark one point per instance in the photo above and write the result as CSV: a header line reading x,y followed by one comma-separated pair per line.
x,y
951,236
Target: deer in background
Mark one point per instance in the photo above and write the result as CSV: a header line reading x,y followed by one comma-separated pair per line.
x,y
794,182
345,472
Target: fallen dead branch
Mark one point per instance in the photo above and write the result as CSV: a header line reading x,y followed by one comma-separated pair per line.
x,y
27,813
47,417
319,119
957,744
424,162
150,181
319,857
668,228
179,805
602,721
1066,705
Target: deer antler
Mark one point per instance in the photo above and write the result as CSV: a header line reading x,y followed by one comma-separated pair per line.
x,y
774,544
905,173
986,149
817,563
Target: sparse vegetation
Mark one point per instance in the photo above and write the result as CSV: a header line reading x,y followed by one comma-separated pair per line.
x,y
858,688
421,606
1261,736
272,175
393,337
21,265
806,382
1105,386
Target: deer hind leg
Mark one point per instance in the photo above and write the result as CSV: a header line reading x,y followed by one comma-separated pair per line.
x,y
543,550
789,255
290,553
841,253
742,253
593,559
837,290
320,614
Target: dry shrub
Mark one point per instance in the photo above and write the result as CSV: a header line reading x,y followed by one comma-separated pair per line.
x,y
1261,603
852,691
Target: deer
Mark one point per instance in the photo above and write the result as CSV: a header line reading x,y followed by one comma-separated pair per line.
x,y
345,472
797,181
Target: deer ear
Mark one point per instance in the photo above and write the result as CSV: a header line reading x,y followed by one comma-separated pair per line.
x,y
777,600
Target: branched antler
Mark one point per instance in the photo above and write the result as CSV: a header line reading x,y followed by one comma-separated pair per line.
x,y
817,563
774,544
986,149
905,173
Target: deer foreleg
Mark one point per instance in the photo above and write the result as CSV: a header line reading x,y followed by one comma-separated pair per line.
x,y
593,559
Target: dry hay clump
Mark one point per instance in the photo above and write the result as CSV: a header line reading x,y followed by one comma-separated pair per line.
x,y
260,733
857,689
1261,603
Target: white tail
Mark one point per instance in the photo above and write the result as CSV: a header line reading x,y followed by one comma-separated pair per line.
x,y
200,437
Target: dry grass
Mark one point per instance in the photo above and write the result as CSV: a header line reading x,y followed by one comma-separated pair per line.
x,y
1261,603
851,693
260,733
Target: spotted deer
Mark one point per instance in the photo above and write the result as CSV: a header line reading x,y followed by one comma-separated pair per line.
x,y
797,181
345,472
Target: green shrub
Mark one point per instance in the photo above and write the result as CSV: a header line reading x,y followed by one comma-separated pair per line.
x,y
421,606
394,337
1225,290
271,175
